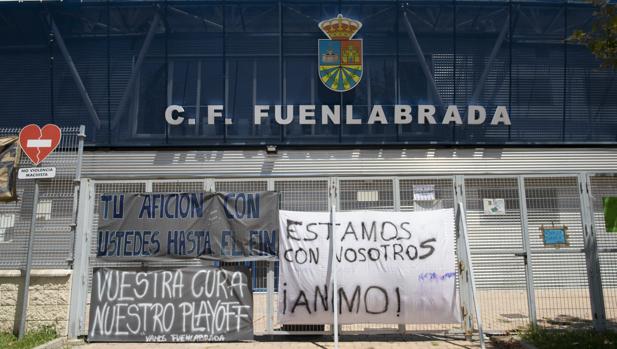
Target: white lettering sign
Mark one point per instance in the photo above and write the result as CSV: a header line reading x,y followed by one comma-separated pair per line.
x,y
325,114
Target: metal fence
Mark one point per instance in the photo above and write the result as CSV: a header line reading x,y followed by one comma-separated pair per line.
x,y
603,186
55,210
519,280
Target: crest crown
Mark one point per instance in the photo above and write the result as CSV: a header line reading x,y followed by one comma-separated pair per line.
x,y
340,28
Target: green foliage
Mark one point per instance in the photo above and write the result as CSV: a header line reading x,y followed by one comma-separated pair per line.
x,y
602,38
30,340
569,339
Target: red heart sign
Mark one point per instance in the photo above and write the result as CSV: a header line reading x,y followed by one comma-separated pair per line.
x,y
38,143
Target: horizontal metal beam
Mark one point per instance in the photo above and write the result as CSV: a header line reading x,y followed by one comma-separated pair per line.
x,y
198,18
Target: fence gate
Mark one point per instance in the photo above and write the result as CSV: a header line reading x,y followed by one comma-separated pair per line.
x,y
559,274
498,252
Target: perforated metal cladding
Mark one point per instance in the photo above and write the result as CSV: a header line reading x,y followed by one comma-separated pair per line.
x,y
349,189
303,195
371,163
239,185
53,238
177,186
493,232
243,53
444,192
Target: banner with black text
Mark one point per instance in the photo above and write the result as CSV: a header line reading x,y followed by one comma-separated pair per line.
x,y
220,226
392,267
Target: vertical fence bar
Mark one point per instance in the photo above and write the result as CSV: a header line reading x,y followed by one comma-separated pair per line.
x,y
596,296
469,274
396,195
270,281
76,183
531,293
270,298
463,287
333,265
24,299
81,266
334,278
603,185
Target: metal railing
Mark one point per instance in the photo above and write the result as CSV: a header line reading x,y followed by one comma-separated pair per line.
x,y
56,208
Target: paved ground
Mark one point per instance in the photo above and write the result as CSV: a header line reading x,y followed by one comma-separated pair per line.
x,y
501,310
376,342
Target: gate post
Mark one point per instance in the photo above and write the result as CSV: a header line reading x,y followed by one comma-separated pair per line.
x,y
396,194
79,279
466,274
596,296
531,291
269,276
465,297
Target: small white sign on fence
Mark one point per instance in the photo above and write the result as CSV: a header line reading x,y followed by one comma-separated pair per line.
x,y
424,192
494,206
36,172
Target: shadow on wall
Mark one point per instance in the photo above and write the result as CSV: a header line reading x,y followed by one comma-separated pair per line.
x,y
178,157
259,162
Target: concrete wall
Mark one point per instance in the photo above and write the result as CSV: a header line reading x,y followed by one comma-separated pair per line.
x,y
48,299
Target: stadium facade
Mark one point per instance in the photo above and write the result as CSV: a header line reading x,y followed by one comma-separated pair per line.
x,y
473,100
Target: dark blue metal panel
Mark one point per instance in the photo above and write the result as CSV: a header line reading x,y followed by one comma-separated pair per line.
x,y
241,53
538,63
91,61
25,66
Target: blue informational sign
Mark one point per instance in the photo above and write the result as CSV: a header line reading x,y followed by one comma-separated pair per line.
x,y
554,236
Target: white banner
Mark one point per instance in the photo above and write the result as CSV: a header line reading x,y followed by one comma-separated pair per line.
x,y
392,267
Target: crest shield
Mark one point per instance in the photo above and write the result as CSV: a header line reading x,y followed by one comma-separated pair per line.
x,y
340,57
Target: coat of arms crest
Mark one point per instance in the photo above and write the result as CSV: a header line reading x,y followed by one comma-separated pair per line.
x,y
340,56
